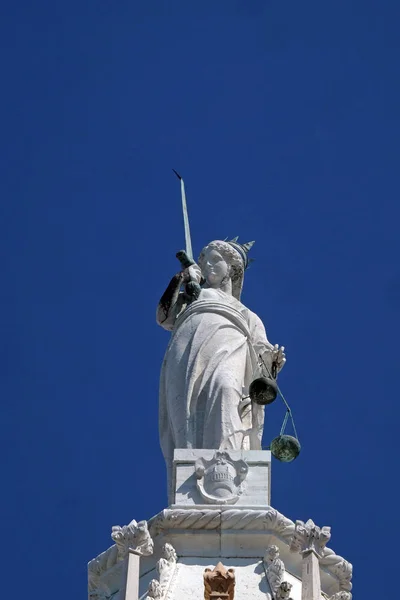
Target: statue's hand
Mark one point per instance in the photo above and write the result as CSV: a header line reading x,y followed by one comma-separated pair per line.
x,y
191,273
278,357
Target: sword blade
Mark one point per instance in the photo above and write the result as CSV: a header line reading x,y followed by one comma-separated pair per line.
x,y
188,239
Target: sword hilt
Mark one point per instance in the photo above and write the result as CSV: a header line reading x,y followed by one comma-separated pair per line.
x,y
192,288
184,259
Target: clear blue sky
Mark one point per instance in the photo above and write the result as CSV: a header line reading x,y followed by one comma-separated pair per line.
x,y
284,119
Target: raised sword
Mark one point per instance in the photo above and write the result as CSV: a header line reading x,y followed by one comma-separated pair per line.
x,y
185,257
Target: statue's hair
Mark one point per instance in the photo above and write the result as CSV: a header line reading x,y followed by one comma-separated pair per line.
x,y
233,259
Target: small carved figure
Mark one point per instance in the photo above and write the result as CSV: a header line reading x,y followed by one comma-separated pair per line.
x,y
154,591
275,569
284,591
166,565
219,583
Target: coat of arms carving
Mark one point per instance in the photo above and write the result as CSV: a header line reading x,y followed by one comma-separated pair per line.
x,y
221,479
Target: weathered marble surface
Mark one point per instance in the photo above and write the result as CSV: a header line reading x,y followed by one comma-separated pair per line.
x,y
250,486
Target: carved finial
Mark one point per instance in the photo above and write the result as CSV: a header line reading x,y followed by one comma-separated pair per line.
x,y
219,583
135,536
310,538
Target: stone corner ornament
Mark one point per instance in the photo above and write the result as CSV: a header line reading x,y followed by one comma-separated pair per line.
x,y
310,538
219,583
134,536
221,479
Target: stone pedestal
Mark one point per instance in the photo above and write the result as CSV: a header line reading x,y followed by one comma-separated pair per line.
x,y
234,477
221,513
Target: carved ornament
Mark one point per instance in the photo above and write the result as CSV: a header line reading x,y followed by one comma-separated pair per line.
x,y
165,569
269,520
220,480
135,536
310,538
154,591
219,583
275,571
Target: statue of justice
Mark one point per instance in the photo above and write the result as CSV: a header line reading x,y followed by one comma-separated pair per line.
x,y
218,347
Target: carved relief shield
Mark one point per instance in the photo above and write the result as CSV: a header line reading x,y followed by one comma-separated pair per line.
x,y
221,479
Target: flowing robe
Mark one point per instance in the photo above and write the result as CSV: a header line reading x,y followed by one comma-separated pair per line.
x,y
210,361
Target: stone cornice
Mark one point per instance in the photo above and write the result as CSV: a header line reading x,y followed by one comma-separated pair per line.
x,y
268,521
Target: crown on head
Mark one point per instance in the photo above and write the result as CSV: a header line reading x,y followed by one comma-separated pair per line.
x,y
242,249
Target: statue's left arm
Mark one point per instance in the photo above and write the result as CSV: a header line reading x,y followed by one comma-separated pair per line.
x,y
269,353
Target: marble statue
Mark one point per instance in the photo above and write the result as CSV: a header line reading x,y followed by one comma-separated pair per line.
x,y
214,353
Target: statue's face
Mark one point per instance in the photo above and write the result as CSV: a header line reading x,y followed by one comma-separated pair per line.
x,y
214,267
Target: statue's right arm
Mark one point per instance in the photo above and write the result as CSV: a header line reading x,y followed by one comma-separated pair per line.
x,y
170,303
